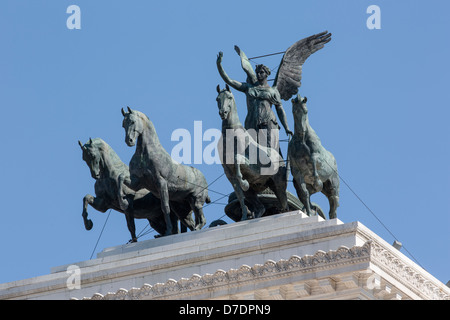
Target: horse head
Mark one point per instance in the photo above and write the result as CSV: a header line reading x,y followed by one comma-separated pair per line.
x,y
299,104
225,102
132,123
92,156
300,112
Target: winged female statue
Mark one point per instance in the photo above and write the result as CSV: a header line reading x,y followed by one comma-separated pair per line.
x,y
261,96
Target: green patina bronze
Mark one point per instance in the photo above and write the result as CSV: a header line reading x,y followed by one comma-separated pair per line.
x,y
248,178
111,193
152,167
260,98
156,188
313,167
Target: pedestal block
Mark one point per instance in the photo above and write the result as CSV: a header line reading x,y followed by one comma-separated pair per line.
x,y
284,256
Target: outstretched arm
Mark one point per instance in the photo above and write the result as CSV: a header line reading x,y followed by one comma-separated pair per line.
x,y
283,119
235,84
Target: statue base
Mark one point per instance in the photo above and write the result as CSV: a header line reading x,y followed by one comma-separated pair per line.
x,y
283,256
269,200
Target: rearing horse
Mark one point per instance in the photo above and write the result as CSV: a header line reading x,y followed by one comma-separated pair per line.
x,y
248,176
110,192
313,167
151,167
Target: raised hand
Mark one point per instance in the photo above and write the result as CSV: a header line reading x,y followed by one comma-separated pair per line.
x,y
237,49
219,57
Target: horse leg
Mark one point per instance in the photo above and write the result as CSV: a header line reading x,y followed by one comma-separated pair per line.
x,y
334,204
241,198
131,226
133,182
238,161
318,185
259,208
158,226
281,195
196,203
187,223
174,220
237,190
165,207
97,203
315,208
302,192
125,199
306,198
185,217
331,191
183,228
88,199
200,220
279,185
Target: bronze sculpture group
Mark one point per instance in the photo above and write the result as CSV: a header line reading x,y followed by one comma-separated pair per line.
x,y
157,188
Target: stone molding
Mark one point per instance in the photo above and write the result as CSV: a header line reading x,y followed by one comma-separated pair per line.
x,y
407,274
226,265
371,251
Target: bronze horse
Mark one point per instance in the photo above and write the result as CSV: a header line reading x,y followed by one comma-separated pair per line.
x,y
151,167
109,172
313,167
248,176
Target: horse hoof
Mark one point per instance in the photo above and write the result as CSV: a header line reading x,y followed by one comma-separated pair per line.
x,y
245,185
251,215
259,214
88,224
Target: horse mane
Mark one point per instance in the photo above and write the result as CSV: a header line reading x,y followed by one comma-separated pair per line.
x,y
142,115
147,120
106,149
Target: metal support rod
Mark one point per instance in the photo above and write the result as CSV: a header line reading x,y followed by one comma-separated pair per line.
x,y
266,55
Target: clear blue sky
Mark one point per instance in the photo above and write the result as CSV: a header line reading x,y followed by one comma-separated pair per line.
x,y
378,99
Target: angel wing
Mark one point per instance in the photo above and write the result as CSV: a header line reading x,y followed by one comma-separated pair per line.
x,y
246,66
289,74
